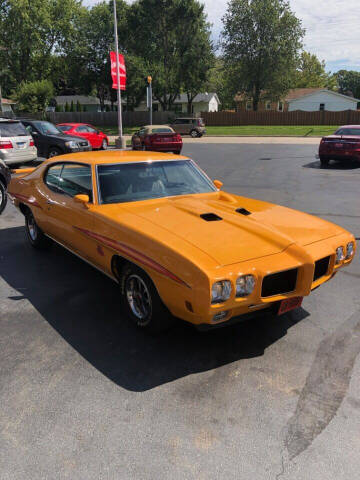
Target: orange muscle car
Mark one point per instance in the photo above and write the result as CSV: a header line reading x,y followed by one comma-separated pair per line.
x,y
177,245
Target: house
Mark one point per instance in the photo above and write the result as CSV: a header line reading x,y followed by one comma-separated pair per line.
x,y
203,102
88,103
306,99
7,105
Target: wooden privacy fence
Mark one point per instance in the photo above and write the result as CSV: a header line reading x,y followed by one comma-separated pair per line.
x,y
130,119
281,118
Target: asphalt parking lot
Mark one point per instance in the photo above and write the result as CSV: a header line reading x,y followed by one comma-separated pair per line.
x,y
84,395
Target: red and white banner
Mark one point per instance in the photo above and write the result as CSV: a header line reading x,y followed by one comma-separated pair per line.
x,y
122,71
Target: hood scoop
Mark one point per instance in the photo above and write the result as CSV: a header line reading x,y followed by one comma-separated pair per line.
x,y
243,211
210,217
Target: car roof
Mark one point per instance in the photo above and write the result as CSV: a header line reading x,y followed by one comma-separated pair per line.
x,y
115,156
349,126
156,126
7,120
72,124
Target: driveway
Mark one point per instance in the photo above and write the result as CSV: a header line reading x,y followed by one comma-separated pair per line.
x,y
84,395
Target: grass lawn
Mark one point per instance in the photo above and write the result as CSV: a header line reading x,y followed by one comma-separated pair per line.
x,y
257,130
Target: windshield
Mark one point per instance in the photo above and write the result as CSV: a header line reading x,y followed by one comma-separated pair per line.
x,y
12,129
47,128
348,131
162,130
132,182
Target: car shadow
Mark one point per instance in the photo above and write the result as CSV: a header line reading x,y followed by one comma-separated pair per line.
x,y
82,305
334,165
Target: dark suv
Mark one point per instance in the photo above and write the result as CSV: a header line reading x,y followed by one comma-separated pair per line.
x,y
50,141
4,182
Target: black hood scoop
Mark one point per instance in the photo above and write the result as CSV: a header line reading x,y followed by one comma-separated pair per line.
x,y
210,217
243,211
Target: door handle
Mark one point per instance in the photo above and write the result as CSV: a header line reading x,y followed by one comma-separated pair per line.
x,y
49,202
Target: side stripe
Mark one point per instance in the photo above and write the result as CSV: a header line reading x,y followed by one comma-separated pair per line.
x,y
134,254
30,200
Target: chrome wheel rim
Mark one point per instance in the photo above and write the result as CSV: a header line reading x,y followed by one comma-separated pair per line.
x,y
53,153
194,134
104,144
1,197
32,227
139,299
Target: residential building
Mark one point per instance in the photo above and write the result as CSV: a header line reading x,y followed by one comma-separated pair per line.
x,y
306,99
7,105
203,102
88,103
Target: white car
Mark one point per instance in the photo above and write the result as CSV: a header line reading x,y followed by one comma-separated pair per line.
x,y
16,144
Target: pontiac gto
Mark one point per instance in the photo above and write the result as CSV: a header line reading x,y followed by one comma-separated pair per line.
x,y
177,245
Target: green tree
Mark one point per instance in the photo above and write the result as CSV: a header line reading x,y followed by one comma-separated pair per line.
x,y
78,106
67,108
221,82
170,29
311,73
72,106
31,33
348,82
261,43
34,96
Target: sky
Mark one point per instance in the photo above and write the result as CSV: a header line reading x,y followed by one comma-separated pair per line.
x,y
332,28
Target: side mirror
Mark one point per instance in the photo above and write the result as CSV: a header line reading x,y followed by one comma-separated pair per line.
x,y
218,184
82,198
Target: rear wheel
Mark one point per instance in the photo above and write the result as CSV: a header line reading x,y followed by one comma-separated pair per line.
x,y
194,133
324,161
104,145
141,302
3,197
34,234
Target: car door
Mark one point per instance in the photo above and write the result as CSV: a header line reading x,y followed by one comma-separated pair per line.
x,y
177,126
39,140
66,220
93,136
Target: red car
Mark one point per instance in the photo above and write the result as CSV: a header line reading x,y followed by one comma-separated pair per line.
x,y
343,145
158,138
96,138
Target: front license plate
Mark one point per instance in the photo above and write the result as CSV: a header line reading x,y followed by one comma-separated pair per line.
x,y
290,304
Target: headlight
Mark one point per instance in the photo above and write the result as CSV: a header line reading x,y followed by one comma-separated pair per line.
x,y
221,291
245,285
71,144
349,250
339,255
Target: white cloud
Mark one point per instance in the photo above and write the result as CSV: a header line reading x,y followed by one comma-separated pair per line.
x,y
332,28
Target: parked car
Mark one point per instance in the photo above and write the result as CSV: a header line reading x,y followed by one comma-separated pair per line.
x,y
158,138
195,127
16,144
5,177
96,138
50,141
343,145
177,245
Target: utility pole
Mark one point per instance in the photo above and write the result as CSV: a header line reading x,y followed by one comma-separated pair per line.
x,y
149,97
119,142
1,101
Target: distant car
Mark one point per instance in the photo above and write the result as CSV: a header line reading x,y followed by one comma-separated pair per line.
x,y
16,145
158,138
343,145
195,127
97,139
50,141
5,177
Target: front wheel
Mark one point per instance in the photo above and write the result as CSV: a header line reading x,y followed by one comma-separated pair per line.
x,y
34,234
54,151
3,197
142,302
104,145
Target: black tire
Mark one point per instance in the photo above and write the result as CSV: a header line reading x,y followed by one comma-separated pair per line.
x,y
34,234
3,197
177,152
54,152
104,145
145,310
194,133
324,162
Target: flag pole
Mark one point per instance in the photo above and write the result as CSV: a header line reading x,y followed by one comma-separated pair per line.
x,y
119,142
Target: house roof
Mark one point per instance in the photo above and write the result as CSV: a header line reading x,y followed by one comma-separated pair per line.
x,y
82,99
200,97
292,94
347,97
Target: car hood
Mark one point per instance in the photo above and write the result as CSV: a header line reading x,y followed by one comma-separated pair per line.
x,y
234,237
66,138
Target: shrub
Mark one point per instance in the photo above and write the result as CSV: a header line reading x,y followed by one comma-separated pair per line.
x,y
34,96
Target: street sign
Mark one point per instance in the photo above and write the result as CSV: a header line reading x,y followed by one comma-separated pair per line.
x,y
122,71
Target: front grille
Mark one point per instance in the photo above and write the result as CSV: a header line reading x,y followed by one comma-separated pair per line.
x,y
321,267
278,283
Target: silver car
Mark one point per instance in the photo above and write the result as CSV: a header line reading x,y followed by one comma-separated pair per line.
x,y
16,145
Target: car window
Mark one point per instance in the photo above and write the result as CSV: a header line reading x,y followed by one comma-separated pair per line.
x,y
348,131
177,122
47,128
162,130
52,177
64,128
91,129
12,129
82,129
76,179
142,131
141,181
